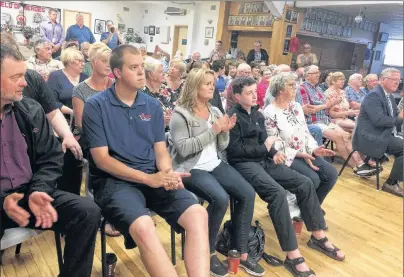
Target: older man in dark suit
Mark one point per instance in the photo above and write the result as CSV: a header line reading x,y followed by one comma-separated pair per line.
x,y
376,127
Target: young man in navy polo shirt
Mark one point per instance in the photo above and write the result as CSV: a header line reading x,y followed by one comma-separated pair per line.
x,y
133,172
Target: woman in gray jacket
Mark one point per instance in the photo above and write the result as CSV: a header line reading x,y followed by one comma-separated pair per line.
x,y
199,134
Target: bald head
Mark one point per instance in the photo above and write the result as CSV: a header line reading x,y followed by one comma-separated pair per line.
x,y
243,70
282,68
300,72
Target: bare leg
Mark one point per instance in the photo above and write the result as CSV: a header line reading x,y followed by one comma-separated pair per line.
x,y
151,250
341,139
346,124
195,222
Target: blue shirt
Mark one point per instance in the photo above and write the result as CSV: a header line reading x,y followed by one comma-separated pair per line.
x,y
62,87
354,96
129,132
113,42
220,84
81,34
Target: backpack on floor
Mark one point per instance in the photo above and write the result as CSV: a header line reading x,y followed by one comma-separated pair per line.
x,y
256,240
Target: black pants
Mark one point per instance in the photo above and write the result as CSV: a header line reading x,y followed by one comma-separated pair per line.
x,y
79,219
70,180
215,187
270,182
395,147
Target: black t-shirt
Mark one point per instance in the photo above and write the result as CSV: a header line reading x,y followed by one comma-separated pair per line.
x,y
38,90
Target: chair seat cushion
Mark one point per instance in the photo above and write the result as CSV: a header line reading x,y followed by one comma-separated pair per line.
x,y
15,236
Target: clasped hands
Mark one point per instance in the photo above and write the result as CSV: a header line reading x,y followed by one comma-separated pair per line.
x,y
224,123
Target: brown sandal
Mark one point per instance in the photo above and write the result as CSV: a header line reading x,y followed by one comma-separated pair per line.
x,y
319,244
290,265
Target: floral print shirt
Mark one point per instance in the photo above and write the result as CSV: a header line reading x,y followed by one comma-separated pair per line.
x,y
291,127
44,69
343,104
166,96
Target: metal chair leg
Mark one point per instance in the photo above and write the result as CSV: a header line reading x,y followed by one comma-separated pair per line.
x,y
18,249
182,244
173,258
346,162
332,148
377,174
59,251
103,248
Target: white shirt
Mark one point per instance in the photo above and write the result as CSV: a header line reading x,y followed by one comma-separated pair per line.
x,y
290,126
208,160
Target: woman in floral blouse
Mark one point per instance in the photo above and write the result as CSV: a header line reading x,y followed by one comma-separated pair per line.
x,y
173,80
340,112
158,89
284,118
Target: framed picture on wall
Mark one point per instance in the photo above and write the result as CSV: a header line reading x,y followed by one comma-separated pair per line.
x,y
324,28
209,32
249,20
243,21
152,30
130,30
288,16
121,28
157,30
308,25
319,27
304,22
289,29
146,30
314,26
294,17
99,26
349,32
377,55
268,20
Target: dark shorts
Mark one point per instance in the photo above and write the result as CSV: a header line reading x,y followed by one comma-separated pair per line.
x,y
123,202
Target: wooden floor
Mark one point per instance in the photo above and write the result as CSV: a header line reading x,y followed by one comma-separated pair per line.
x,y
365,223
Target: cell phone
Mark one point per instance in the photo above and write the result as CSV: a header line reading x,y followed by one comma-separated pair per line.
x,y
112,29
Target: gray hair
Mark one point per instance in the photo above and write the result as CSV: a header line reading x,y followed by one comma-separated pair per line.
x,y
278,82
386,72
39,44
365,80
308,68
150,65
354,76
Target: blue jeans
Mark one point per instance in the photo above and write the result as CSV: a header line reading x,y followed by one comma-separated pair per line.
x,y
215,187
316,132
323,180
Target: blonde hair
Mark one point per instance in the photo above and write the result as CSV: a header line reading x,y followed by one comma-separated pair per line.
x,y
180,64
191,87
97,51
366,79
69,55
333,77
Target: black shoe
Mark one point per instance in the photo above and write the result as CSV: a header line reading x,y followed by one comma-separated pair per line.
x,y
251,267
217,269
323,212
365,170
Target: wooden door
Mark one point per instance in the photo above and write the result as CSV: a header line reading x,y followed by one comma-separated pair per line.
x,y
180,40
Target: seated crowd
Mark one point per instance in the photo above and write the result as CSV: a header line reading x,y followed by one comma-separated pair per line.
x,y
158,131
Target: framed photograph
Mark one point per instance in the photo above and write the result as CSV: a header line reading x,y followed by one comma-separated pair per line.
x,y
243,21
334,30
319,27
254,8
260,7
289,29
349,32
313,26
249,21
329,16
377,55
308,25
362,25
209,32
256,20
313,14
247,8
130,30
366,25
152,30
99,26
294,17
237,21
329,29
262,21
349,21
288,15
230,22
286,45
340,31
121,28
268,20
241,8
304,22
146,30
344,20
307,13
324,28
345,32
157,30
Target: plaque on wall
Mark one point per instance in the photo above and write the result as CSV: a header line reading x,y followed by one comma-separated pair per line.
x,y
319,27
294,17
334,30
340,30
313,26
329,29
308,25
324,28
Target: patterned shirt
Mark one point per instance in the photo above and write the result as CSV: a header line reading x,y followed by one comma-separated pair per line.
x,y
313,96
354,96
44,69
166,97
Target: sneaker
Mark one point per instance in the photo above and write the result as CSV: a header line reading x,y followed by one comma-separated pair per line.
x,y
251,267
217,269
365,170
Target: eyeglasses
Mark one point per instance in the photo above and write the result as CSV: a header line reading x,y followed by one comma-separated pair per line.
x,y
394,79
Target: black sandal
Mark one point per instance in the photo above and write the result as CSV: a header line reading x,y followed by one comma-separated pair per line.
x,y
319,244
290,265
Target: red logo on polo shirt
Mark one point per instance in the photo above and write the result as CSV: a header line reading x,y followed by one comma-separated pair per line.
x,y
145,117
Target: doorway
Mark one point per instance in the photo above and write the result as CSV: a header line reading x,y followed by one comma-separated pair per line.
x,y
180,40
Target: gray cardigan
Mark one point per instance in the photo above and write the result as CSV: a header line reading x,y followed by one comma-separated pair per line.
x,y
188,136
